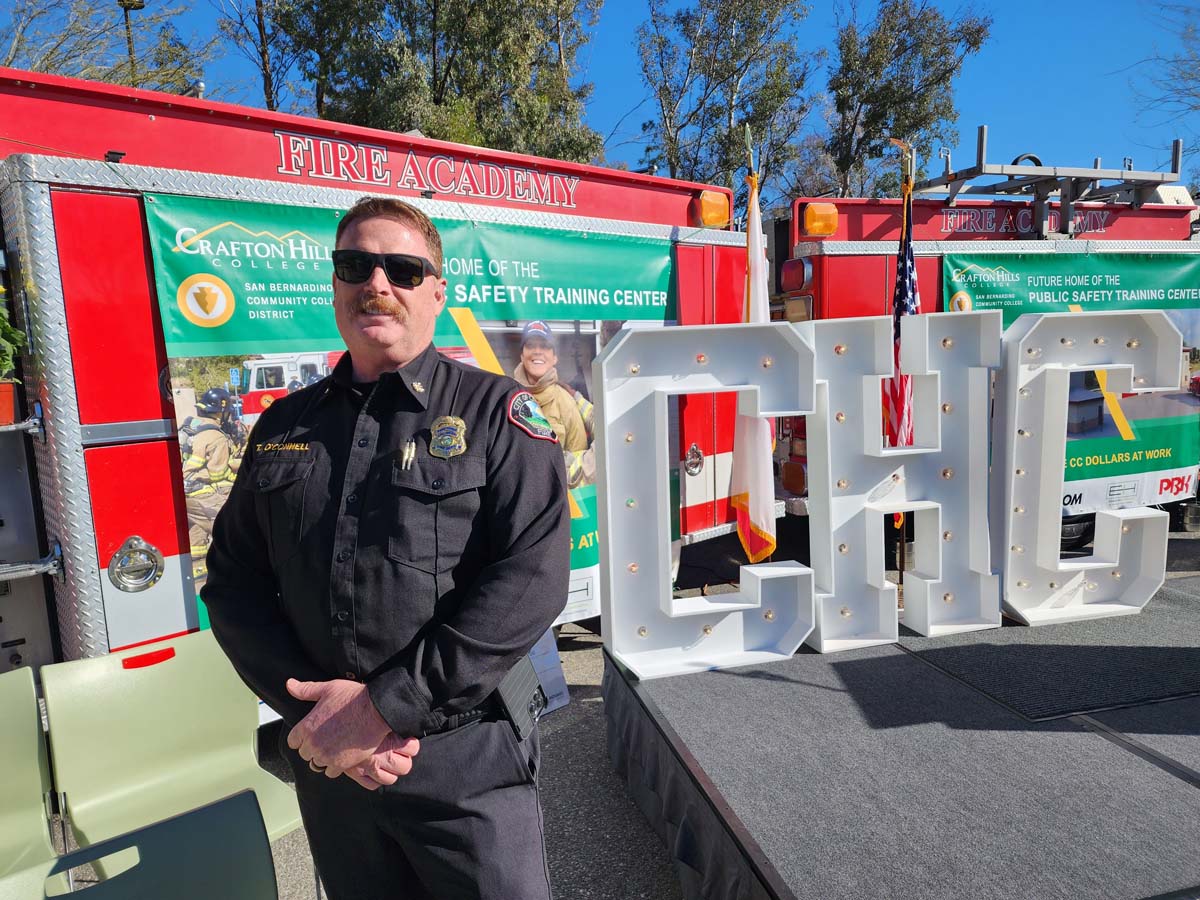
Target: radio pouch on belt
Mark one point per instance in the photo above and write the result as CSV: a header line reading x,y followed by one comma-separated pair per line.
x,y
521,697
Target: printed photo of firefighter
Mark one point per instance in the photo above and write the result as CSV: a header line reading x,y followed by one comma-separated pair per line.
x,y
565,405
212,439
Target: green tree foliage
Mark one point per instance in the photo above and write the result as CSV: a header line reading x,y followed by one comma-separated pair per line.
x,y
472,71
203,372
894,77
253,29
12,342
87,39
714,67
326,36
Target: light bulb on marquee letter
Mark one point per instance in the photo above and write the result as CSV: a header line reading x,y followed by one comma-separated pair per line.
x,y
856,484
1141,351
645,626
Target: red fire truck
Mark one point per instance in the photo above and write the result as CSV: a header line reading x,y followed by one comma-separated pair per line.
x,y
265,379
1067,230
95,552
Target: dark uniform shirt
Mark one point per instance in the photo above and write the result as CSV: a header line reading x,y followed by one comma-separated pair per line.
x,y
335,558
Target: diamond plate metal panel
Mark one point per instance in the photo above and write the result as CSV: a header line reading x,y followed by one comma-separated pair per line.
x,y
116,176
33,254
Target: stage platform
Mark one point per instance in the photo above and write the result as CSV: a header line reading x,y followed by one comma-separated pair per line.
x,y
1053,762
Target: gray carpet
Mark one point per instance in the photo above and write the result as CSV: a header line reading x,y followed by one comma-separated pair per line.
x,y
870,774
1171,728
1061,670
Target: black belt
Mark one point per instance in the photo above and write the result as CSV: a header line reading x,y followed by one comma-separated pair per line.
x,y
489,707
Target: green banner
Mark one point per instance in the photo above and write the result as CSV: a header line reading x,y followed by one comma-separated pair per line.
x,y
516,272
245,294
1019,283
1103,468
1157,445
585,541
238,277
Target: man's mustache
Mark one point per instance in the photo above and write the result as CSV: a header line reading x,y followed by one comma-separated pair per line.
x,y
381,306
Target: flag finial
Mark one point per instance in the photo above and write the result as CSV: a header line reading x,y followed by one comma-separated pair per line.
x,y
908,164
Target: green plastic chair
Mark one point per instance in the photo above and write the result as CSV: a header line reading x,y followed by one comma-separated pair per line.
x,y
24,776
219,850
144,734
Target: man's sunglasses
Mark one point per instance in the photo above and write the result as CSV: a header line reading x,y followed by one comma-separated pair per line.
x,y
401,269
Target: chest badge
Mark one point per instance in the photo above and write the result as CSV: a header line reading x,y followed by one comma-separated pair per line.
x,y
449,437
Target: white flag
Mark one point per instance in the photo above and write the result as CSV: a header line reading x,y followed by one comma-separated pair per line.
x,y
752,484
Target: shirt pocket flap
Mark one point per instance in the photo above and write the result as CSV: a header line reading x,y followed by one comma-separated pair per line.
x,y
271,475
441,477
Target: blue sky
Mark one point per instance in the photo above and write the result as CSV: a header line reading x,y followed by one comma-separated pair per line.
x,y
1054,79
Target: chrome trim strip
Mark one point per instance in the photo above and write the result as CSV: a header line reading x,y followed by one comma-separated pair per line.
x,y
127,432
66,503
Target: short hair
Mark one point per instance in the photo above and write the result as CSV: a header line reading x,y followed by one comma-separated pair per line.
x,y
391,208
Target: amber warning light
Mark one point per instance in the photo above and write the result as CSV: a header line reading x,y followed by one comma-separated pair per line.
x,y
711,208
818,219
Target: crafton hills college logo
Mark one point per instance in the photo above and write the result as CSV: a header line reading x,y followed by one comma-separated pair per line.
x,y
205,300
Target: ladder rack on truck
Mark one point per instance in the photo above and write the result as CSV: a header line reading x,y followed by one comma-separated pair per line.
x,y
1026,176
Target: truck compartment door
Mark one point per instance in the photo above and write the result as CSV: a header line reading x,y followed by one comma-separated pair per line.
x,y
711,290
122,384
117,348
141,527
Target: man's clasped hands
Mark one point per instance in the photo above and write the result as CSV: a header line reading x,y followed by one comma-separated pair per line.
x,y
344,734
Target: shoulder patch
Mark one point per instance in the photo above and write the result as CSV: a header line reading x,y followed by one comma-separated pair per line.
x,y
524,412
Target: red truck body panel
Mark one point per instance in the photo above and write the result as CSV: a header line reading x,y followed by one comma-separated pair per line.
x,y
137,489
712,290
112,310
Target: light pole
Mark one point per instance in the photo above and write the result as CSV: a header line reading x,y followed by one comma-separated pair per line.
x,y
126,6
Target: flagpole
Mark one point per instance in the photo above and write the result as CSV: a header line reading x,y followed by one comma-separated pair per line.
x,y
900,521
752,180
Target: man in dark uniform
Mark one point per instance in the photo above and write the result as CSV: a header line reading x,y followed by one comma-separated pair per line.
x,y
397,539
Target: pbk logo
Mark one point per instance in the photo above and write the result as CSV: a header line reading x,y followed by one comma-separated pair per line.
x,y
1181,484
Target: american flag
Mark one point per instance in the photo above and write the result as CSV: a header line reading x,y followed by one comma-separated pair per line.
x,y
905,302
